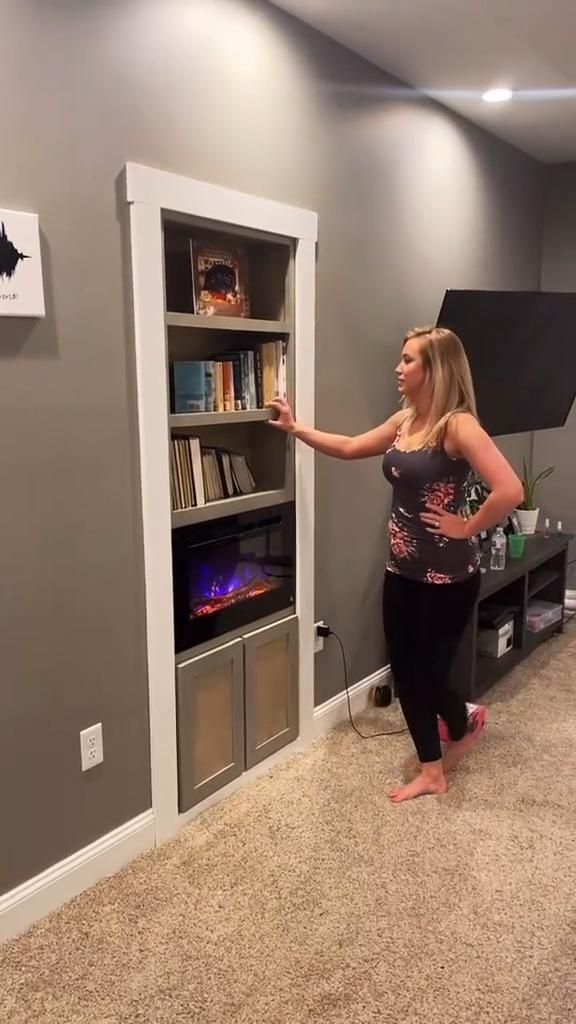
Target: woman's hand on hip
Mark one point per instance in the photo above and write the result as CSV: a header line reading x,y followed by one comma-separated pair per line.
x,y
445,524
285,420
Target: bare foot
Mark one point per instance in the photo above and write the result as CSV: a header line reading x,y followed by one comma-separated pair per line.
x,y
422,785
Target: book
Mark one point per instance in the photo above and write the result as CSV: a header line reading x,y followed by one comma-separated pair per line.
x,y
252,380
179,481
220,280
283,383
207,472
174,487
216,480
268,354
190,489
218,387
203,474
235,474
259,381
197,475
242,474
225,467
280,357
182,490
189,386
235,358
228,380
209,396
231,381
244,375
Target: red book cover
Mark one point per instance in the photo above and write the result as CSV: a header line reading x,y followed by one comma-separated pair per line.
x,y
228,375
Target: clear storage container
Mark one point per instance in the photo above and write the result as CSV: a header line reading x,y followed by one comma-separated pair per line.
x,y
541,614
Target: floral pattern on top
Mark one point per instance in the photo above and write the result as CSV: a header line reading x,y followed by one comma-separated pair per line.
x,y
419,478
442,493
401,543
437,577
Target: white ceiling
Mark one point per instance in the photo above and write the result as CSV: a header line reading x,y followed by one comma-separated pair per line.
x,y
456,49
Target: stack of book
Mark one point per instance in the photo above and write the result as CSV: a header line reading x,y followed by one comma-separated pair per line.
x,y
230,382
199,475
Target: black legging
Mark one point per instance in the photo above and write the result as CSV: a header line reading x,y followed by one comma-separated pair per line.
x,y
424,623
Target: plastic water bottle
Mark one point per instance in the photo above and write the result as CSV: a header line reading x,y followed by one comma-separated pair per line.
x,y
498,550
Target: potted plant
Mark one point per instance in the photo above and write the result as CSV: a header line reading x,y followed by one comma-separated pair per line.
x,y
527,513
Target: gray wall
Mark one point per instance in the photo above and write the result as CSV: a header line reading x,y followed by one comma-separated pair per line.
x,y
556,447
411,200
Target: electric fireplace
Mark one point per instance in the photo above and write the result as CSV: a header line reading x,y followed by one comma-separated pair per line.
x,y
228,573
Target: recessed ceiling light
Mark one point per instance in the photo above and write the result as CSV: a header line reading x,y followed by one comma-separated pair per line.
x,y
497,95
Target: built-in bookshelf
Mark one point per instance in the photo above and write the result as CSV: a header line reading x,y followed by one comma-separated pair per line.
x,y
224,369
229,613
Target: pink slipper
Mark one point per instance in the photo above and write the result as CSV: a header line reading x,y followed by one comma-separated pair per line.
x,y
477,718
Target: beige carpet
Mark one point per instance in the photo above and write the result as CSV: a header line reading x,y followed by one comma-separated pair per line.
x,y
308,897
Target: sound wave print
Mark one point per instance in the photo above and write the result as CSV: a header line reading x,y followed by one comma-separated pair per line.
x,y
9,255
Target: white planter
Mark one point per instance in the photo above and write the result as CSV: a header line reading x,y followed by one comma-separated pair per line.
x,y
528,519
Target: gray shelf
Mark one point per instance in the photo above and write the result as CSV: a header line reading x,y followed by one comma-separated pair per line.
x,y
540,579
208,419
539,550
227,323
230,507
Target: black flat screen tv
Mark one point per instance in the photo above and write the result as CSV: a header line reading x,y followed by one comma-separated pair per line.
x,y
522,352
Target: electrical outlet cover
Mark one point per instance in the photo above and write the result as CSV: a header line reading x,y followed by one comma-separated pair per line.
x,y
91,747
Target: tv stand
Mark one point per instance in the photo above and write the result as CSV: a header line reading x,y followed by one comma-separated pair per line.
x,y
541,572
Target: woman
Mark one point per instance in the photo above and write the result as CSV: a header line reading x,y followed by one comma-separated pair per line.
x,y
432,578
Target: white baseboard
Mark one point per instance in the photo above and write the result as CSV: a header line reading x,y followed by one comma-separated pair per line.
x,y
571,596
335,710
22,906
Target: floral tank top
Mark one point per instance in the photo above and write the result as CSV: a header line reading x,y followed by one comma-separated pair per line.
x,y
419,477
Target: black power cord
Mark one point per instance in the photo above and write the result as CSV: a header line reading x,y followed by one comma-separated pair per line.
x,y
325,631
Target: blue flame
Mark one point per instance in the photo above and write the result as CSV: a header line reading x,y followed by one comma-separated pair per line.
x,y
208,585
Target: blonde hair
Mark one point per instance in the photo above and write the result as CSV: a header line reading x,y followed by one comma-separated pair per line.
x,y
446,366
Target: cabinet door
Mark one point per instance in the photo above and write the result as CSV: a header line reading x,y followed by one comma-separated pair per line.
x,y
210,723
271,689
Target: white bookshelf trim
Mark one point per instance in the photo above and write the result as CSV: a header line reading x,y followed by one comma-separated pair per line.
x,y
149,192
163,190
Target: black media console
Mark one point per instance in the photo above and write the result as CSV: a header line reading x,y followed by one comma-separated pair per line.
x,y
541,574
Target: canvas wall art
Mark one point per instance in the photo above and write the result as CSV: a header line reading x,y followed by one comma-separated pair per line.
x,y
21,285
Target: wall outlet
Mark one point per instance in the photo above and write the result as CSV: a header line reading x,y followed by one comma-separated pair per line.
x,y
318,640
91,748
